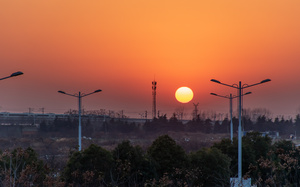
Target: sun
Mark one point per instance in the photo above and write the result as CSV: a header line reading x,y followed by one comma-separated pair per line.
x,y
184,94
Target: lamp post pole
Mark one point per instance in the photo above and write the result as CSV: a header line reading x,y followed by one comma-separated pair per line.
x,y
230,97
240,87
231,124
240,135
79,122
79,96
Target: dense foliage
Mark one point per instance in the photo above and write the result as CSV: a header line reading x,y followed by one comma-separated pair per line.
x,y
163,163
259,123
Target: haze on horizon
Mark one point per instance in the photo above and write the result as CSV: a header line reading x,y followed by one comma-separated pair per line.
x,y
120,46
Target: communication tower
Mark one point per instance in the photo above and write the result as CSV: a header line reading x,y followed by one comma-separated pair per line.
x,y
154,99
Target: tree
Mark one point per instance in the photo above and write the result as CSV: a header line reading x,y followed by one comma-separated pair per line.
x,y
221,127
22,168
207,126
175,124
280,167
261,145
225,126
231,150
167,155
213,167
195,125
90,167
131,167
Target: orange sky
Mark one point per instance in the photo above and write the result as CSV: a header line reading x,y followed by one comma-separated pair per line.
x,y
119,46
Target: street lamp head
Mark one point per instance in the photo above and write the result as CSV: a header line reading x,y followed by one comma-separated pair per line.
x,y
214,80
97,91
16,74
248,93
266,80
61,92
213,94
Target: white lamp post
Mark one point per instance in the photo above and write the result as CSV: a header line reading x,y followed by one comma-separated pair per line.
x,y
230,97
79,96
240,87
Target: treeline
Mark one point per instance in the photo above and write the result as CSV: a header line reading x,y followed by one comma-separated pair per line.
x,y
163,163
162,125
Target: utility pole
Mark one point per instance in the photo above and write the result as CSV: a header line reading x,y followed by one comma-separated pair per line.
x,y
154,83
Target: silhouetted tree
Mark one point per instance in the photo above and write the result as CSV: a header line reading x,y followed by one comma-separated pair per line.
x,y
254,146
90,167
22,168
167,155
207,126
280,167
131,166
213,165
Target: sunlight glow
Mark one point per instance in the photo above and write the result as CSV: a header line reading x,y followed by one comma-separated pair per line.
x,y
184,94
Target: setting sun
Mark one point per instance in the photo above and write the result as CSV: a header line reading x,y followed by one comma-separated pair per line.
x,y
184,94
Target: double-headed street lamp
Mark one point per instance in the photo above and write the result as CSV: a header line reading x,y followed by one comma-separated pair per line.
x,y
240,87
12,75
230,97
79,96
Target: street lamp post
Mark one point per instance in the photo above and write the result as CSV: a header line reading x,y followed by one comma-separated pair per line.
x,y
240,87
230,97
12,75
79,96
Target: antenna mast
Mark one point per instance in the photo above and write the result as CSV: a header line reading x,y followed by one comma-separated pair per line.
x,y
154,99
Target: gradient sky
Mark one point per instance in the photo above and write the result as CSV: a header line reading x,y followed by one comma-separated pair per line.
x,y
120,46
